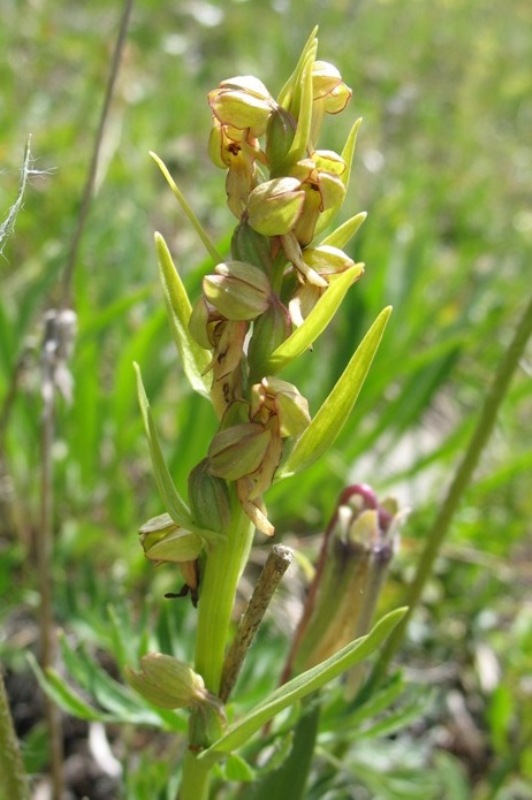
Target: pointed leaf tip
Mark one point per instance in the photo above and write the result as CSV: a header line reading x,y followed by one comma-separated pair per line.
x,y
336,409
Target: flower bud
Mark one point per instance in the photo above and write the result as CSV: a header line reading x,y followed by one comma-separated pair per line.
x,y
274,206
167,682
209,498
237,290
238,451
328,85
163,540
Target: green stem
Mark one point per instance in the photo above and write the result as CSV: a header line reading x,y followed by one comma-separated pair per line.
x,y
13,782
223,568
486,422
219,580
196,778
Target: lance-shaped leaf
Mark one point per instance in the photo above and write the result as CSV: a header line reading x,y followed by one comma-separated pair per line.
x,y
328,422
174,503
311,46
316,322
200,230
347,154
341,236
194,358
304,116
310,681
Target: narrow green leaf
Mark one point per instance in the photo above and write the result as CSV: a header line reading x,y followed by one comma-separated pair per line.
x,y
194,358
174,504
290,777
311,45
211,249
239,732
347,154
110,695
64,696
316,322
304,120
341,236
328,422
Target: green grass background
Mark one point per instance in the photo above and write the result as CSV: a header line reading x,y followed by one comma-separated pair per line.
x,y
444,169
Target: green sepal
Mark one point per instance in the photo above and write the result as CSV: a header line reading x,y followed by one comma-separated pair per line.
x,y
239,733
316,322
347,154
329,420
173,502
195,359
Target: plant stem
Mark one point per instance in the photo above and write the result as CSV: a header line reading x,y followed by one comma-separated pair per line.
x,y
486,422
196,778
223,568
278,561
219,580
13,782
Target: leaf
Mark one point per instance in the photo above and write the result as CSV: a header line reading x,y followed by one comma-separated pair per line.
x,y
304,117
290,778
194,358
112,696
64,696
316,322
174,504
211,249
341,236
240,732
347,154
328,422
236,769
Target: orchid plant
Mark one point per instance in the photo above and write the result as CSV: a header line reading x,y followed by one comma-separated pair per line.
x,y
261,307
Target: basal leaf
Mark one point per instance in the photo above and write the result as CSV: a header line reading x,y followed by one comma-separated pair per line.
x,y
316,322
328,422
194,358
310,681
175,505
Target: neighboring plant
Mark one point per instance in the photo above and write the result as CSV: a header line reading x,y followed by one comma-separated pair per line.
x,y
261,308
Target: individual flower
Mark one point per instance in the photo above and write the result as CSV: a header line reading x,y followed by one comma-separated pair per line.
x,y
238,291
274,206
330,94
278,400
163,540
320,179
167,682
325,261
243,103
238,450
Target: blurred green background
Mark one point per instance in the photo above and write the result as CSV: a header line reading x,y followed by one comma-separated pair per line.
x,y
444,169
